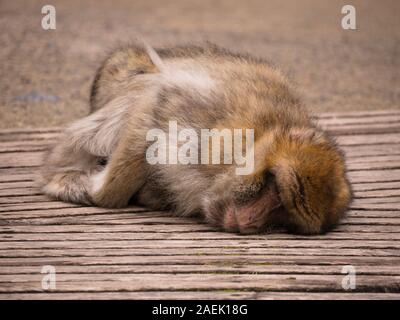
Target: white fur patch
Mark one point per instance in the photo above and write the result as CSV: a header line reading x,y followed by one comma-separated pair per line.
x,y
196,78
97,180
187,78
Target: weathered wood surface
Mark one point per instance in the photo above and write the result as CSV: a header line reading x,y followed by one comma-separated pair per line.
x,y
135,253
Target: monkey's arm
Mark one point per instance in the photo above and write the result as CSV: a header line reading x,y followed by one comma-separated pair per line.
x,y
69,166
122,177
125,172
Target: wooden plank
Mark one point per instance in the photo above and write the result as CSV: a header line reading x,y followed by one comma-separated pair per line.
x,y
357,114
20,192
373,166
22,176
322,260
14,159
104,228
163,228
372,214
200,268
201,243
378,199
16,184
374,159
391,281
24,131
24,200
370,150
375,186
195,235
63,209
142,282
29,136
377,193
243,251
369,139
360,205
203,295
362,128
28,146
346,121
363,176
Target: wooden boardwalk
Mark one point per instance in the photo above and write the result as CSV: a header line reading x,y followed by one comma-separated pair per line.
x,y
139,254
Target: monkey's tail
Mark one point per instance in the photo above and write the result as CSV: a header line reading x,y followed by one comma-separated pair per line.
x,y
154,57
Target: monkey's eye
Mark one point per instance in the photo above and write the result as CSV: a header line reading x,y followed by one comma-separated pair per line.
x,y
102,161
268,178
137,71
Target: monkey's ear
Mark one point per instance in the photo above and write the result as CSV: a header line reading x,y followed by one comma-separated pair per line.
x,y
269,177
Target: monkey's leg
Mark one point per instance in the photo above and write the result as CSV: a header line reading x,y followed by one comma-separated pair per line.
x,y
66,175
79,151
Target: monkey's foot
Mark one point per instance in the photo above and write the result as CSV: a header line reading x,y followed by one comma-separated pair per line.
x,y
69,187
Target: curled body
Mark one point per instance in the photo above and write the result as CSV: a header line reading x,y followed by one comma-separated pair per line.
x,y
298,179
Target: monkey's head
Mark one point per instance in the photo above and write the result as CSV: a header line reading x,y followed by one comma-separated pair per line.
x,y
299,183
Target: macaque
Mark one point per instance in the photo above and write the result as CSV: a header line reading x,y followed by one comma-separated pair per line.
x,y
298,180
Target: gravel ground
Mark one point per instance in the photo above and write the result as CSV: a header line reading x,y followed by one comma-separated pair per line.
x,y
46,75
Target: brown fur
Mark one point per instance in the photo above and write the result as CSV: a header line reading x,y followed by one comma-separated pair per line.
x,y
299,179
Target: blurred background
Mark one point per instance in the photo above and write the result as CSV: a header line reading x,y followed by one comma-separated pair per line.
x,y
45,75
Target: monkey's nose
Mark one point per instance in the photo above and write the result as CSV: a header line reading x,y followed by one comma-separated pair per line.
x,y
230,223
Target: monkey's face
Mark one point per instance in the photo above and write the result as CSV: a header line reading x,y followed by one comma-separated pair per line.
x,y
245,204
256,205
299,183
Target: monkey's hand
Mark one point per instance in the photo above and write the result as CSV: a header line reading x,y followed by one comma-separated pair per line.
x,y
114,186
107,191
69,186
104,200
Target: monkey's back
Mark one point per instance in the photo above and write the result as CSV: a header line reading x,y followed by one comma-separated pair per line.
x,y
201,86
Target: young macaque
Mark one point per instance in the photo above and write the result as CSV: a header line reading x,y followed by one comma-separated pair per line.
x,y
298,179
